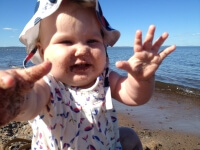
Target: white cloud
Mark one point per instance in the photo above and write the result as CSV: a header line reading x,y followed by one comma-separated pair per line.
x,y
9,29
194,34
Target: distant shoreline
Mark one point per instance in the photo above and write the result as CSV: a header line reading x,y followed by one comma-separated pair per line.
x,y
108,47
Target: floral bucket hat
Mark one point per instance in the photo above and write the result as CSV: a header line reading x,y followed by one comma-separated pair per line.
x,y
45,8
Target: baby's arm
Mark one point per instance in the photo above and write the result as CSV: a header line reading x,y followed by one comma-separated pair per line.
x,y
138,86
23,93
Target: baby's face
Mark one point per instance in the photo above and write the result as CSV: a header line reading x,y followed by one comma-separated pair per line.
x,y
72,41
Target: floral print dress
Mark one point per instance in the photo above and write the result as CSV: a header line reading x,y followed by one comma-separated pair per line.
x,y
77,119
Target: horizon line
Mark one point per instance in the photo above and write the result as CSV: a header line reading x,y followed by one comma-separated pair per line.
x,y
127,46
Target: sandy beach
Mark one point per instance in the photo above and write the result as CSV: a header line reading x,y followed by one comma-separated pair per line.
x,y
167,122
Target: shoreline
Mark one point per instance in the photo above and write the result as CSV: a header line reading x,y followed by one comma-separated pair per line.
x,y
168,121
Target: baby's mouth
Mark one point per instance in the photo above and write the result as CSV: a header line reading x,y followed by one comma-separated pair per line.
x,y
80,67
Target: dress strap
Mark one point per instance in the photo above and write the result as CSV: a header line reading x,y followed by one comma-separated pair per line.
x,y
109,104
106,81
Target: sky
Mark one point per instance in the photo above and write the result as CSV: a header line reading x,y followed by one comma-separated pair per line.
x,y
180,18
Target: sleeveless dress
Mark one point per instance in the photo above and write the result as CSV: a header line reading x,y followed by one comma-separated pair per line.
x,y
77,119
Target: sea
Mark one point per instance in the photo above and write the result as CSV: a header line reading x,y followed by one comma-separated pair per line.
x,y
179,72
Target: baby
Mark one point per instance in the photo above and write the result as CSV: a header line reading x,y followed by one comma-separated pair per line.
x,y
67,96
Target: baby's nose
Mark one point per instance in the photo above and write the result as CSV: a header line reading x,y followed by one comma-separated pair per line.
x,y
82,50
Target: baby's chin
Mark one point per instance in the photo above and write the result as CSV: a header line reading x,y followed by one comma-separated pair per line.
x,y
83,82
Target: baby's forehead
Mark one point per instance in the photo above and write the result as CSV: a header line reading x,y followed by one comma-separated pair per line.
x,y
75,17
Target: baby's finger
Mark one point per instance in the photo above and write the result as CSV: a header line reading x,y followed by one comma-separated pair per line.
x,y
166,52
159,42
124,65
34,73
138,41
149,38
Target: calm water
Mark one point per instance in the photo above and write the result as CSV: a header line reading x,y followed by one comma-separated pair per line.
x,y
179,72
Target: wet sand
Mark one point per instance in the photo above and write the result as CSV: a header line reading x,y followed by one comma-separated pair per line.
x,y
167,122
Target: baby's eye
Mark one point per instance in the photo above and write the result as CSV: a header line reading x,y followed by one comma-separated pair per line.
x,y
92,41
67,42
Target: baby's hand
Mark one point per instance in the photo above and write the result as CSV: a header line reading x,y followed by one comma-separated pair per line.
x,y
14,85
146,59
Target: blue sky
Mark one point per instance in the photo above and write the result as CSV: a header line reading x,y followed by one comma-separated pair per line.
x,y
180,18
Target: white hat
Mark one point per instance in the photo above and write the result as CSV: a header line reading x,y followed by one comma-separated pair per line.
x,y
45,8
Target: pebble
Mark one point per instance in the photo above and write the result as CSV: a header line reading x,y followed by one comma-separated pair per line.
x,y
15,130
